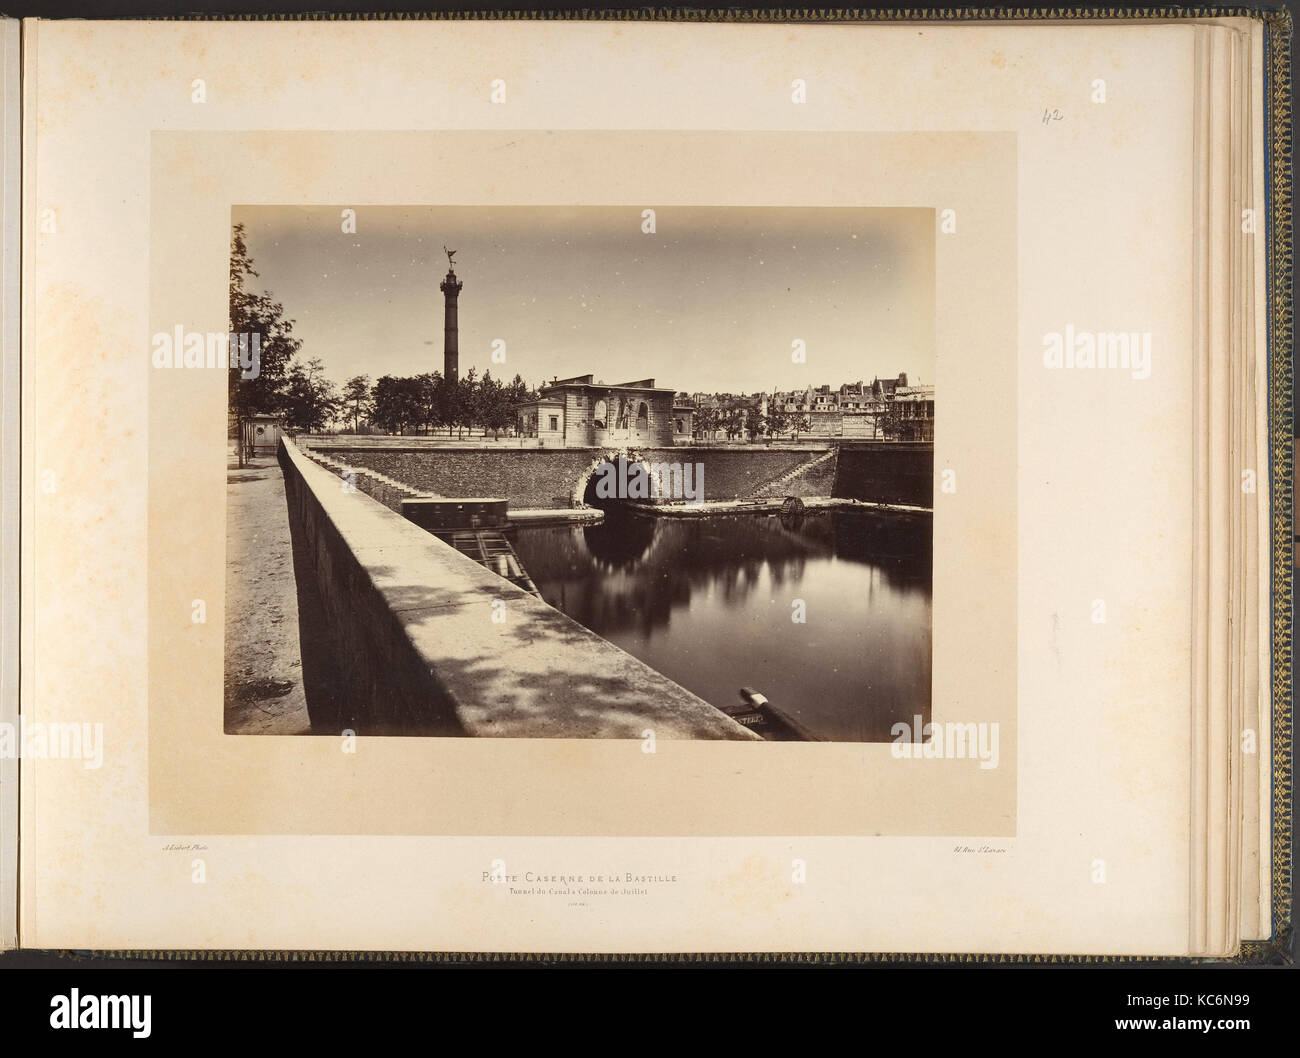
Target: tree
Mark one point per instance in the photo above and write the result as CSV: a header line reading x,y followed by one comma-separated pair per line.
x,y
800,423
707,421
777,421
517,392
495,409
427,394
464,399
397,404
448,404
479,397
256,314
356,399
734,421
309,401
753,421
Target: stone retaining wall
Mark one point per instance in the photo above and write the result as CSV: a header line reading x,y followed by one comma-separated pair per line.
x,y
875,471
886,472
736,473
529,478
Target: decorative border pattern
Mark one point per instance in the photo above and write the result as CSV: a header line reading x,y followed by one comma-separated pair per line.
x,y
1277,949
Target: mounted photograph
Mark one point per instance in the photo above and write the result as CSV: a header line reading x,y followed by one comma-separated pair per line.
x,y
580,472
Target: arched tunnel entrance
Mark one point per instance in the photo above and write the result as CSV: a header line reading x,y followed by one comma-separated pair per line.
x,y
615,479
589,496
625,534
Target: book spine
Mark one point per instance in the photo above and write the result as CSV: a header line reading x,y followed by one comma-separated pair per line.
x,y
10,374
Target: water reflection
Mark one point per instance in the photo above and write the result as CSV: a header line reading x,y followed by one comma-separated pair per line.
x,y
708,602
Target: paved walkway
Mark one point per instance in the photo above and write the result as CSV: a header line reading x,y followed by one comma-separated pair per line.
x,y
265,692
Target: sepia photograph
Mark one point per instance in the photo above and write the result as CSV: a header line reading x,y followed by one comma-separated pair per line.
x,y
579,472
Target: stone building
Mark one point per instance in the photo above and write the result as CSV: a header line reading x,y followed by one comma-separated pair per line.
x,y
683,422
863,411
910,415
580,412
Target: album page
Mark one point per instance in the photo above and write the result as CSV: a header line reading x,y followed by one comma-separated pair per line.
x,y
610,486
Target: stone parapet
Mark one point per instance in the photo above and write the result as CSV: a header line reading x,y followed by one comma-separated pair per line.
x,y
422,655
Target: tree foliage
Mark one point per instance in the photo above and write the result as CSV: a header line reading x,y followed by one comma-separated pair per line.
x,y
309,402
253,312
777,421
356,400
424,403
398,404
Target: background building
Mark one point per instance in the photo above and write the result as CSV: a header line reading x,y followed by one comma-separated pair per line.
x,y
883,409
580,412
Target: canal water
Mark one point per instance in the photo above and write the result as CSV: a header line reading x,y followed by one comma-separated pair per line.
x,y
709,603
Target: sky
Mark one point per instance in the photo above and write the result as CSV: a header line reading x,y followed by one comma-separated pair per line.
x,y
711,301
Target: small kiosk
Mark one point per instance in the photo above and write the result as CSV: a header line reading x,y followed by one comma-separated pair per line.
x,y
261,436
